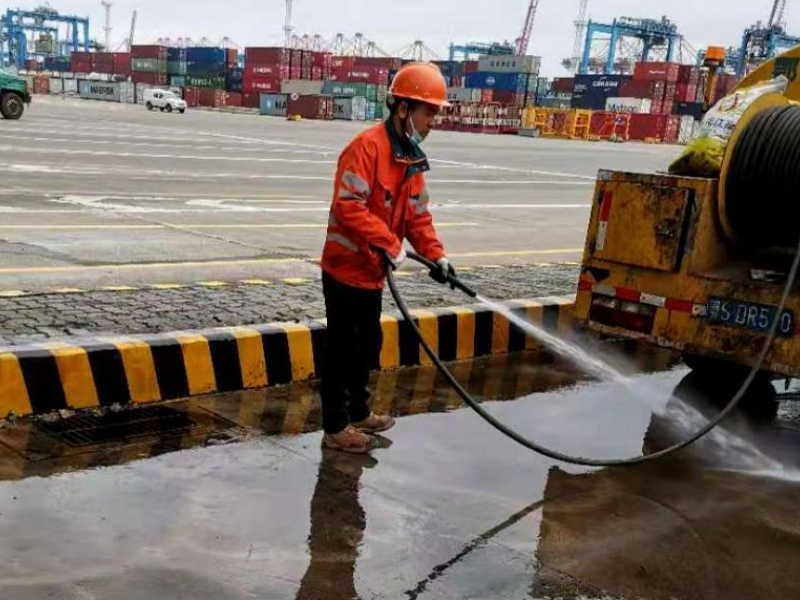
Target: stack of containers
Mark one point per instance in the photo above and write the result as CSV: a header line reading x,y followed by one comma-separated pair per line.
x,y
452,71
295,64
122,63
273,105
103,62
176,66
310,107
265,69
235,80
321,65
206,67
510,80
149,65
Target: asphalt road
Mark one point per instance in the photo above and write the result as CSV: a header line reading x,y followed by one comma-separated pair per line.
x,y
98,194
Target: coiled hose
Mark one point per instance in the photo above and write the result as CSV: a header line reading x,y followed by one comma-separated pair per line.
x,y
755,152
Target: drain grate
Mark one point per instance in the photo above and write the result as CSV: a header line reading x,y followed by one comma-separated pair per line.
x,y
86,430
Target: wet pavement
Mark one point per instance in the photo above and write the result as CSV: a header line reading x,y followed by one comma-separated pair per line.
x,y
231,497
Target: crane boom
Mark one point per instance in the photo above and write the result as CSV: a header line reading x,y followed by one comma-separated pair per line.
x,y
133,31
778,10
527,29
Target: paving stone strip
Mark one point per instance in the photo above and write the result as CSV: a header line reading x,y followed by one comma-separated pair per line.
x,y
39,318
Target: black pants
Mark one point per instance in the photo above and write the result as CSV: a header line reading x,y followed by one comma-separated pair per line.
x,y
353,349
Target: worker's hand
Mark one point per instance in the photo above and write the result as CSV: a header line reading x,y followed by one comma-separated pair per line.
x,y
396,261
444,272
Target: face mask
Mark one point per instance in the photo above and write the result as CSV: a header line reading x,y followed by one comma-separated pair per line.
x,y
415,136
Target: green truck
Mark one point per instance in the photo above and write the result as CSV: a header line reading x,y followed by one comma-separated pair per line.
x,y
14,95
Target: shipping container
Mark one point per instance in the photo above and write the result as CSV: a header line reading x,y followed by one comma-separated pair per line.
x,y
175,67
345,63
592,91
688,74
648,127
56,85
176,54
350,108
232,58
233,99
104,62
310,107
250,100
206,81
372,93
154,52
687,127
70,86
653,90
266,70
301,87
471,66
463,95
148,65
58,64
509,97
121,91
656,71
563,85
629,105
192,96
273,105
361,74
149,78
269,56
213,98
41,84
177,81
81,62
261,84
122,63
517,82
502,63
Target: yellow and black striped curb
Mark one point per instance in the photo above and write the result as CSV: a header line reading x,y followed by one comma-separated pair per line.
x,y
139,370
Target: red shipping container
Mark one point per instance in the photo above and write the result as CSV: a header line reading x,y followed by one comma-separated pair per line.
x,y
652,90
156,52
252,100
254,84
672,130
668,107
508,97
472,66
41,85
296,59
321,60
266,56
648,127
686,92
565,85
212,97
103,62
657,107
149,78
233,99
688,74
192,96
81,62
365,74
343,63
122,63
656,71
383,62
267,70
487,96
310,107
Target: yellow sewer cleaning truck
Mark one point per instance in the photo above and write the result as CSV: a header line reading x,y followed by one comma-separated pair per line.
x,y
699,264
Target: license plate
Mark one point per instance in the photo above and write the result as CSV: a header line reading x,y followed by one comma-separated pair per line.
x,y
749,315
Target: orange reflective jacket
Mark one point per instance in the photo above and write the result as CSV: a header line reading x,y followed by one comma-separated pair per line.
x,y
379,199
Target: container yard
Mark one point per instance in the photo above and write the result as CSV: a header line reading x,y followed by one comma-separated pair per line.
x,y
370,316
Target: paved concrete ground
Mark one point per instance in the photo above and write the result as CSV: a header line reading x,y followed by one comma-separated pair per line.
x,y
39,317
244,505
96,194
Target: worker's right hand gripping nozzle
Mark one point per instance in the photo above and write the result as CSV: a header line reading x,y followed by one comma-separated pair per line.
x,y
445,273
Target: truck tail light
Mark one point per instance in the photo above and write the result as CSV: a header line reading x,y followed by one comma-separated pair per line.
x,y
632,316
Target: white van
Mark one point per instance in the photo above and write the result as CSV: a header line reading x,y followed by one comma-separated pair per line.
x,y
164,100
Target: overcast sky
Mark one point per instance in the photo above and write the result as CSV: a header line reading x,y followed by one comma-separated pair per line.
x,y
394,24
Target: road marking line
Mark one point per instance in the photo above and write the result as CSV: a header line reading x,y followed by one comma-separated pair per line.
x,y
256,282
296,280
12,293
136,266
118,288
212,284
166,286
68,291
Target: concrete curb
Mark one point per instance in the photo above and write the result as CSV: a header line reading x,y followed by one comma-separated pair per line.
x,y
138,370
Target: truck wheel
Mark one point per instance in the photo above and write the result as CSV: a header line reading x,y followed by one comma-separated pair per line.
x,y
183,110
760,402
161,109
12,106
169,108
149,106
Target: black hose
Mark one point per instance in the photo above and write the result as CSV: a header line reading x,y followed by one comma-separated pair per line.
x,y
755,151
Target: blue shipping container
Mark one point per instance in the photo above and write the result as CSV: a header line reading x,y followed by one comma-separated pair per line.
x,y
513,82
198,69
592,91
205,55
176,54
236,74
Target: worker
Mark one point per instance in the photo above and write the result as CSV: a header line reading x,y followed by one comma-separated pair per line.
x,y
379,199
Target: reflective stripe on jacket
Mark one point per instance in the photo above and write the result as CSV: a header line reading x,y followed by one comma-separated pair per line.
x,y
379,198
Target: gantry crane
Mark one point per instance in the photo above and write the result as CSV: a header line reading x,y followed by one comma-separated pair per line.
x,y
761,42
527,29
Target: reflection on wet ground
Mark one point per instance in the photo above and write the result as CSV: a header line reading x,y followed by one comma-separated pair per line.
x,y
195,501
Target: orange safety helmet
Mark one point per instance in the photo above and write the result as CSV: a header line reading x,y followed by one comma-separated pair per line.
x,y
422,81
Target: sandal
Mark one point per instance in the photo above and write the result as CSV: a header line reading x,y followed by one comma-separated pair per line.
x,y
375,424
